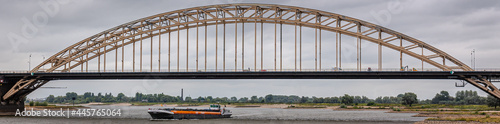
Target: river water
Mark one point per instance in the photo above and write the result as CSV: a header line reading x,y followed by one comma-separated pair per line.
x,y
138,114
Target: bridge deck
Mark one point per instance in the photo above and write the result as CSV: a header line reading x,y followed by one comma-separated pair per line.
x,y
256,75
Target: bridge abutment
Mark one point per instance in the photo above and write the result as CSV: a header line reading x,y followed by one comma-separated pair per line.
x,y
10,106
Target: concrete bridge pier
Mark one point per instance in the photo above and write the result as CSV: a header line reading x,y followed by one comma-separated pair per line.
x,y
10,106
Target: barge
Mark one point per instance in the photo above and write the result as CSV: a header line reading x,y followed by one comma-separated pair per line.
x,y
214,111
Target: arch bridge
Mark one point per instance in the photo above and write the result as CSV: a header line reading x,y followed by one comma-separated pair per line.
x,y
241,39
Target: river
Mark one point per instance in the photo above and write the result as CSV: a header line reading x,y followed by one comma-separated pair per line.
x,y
138,114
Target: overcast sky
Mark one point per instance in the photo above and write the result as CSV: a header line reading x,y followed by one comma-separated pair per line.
x,y
454,26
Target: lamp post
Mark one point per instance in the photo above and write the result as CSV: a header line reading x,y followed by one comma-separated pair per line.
x,y
43,67
473,58
29,63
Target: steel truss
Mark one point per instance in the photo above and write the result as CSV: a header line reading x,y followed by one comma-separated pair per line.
x,y
114,39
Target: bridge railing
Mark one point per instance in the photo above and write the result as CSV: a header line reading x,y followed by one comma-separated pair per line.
x,y
14,71
253,70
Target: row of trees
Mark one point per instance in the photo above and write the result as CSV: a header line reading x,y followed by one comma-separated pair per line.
x,y
462,98
466,97
88,97
139,97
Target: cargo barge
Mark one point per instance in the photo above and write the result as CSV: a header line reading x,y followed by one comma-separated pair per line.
x,y
214,111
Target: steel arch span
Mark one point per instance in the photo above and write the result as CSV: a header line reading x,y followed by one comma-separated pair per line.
x,y
78,55
126,34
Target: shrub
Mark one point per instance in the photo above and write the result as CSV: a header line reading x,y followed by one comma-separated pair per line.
x,y
40,104
396,109
44,104
343,106
370,103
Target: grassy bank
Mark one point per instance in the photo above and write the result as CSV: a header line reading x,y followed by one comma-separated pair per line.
x,y
434,112
54,107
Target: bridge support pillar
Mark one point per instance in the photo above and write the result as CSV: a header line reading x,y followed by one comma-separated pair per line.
x,y
10,106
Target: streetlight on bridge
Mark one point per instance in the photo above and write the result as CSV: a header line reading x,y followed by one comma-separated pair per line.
x,y
43,67
29,63
473,59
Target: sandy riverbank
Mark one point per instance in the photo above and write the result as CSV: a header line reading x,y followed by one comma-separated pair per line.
x,y
443,116
281,106
188,105
40,108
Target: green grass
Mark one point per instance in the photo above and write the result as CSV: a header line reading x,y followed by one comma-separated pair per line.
x,y
54,106
143,103
313,104
415,107
434,106
443,107
486,119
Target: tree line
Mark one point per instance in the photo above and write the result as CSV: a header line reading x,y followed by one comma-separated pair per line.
x,y
467,97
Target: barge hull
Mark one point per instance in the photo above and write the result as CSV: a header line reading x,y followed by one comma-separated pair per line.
x,y
187,116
